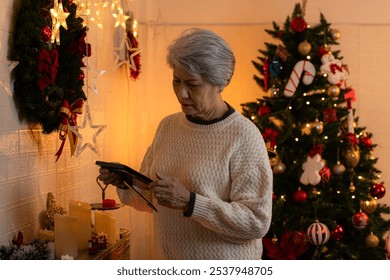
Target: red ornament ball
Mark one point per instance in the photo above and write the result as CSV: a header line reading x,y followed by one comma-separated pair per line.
x,y
366,141
300,196
377,191
337,233
46,33
318,233
360,220
264,110
298,24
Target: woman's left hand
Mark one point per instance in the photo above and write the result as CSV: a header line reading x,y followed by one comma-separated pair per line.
x,y
169,192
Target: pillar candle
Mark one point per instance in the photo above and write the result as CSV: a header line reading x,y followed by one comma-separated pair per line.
x,y
106,223
82,211
65,234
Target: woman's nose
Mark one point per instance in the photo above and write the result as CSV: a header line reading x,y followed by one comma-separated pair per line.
x,y
183,93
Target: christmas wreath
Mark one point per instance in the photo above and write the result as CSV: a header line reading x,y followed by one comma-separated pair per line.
x,y
49,45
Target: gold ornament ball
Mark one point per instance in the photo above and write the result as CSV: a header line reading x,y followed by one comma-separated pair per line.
x,y
352,157
372,241
318,126
333,91
338,169
335,34
279,168
304,48
275,240
369,206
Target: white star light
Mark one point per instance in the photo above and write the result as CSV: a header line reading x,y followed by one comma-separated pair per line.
x,y
120,18
90,133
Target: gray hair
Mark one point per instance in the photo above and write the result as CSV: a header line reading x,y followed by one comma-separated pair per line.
x,y
203,52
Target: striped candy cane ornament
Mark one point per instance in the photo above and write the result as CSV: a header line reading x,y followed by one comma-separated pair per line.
x,y
308,70
318,233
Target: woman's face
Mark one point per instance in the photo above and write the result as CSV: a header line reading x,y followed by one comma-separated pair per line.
x,y
198,98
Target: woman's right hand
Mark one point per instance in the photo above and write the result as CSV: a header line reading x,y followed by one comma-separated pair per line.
x,y
108,177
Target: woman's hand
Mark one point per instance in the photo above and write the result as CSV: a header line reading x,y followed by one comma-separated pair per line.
x,y
169,192
108,177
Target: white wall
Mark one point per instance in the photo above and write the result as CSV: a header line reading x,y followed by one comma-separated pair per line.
x,y
132,109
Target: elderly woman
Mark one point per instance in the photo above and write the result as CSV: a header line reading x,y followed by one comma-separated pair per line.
x,y
212,181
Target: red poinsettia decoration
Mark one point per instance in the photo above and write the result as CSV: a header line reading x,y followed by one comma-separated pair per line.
x,y
286,249
298,24
47,66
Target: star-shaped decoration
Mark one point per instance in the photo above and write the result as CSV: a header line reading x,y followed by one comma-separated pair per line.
x,y
58,17
134,52
83,8
90,133
91,84
5,76
121,51
120,18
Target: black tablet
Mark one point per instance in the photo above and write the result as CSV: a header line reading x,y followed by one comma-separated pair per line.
x,y
130,177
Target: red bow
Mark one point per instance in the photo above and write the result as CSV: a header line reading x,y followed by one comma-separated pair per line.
x,y
317,149
351,138
270,135
68,116
47,66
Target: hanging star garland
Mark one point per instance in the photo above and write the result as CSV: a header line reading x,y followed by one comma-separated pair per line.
x,y
58,17
89,140
120,18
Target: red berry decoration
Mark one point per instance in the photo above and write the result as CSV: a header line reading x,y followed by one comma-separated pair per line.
x,y
300,196
337,233
360,220
46,33
298,24
264,110
377,191
318,233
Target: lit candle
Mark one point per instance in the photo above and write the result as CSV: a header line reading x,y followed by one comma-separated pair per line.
x,y
82,211
65,233
106,223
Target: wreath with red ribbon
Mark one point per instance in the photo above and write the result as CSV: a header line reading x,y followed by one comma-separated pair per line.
x,y
48,75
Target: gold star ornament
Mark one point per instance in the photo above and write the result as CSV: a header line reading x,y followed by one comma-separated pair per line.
x,y
58,18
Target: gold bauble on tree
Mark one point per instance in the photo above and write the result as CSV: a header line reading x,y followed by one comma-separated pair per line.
x,y
334,91
317,126
338,169
372,241
369,206
304,48
279,168
352,156
335,34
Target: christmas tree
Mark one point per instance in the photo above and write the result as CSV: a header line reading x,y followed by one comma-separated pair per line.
x,y
327,190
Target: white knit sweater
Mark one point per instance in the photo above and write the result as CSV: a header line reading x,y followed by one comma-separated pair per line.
x,y
226,164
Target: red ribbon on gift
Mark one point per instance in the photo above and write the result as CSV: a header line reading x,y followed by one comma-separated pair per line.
x,y
270,135
68,116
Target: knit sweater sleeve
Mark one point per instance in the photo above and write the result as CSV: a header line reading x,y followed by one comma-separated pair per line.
x,y
247,215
